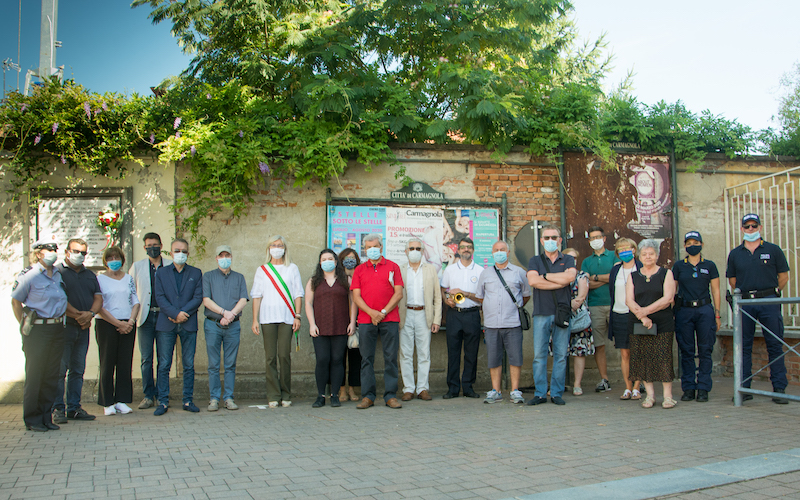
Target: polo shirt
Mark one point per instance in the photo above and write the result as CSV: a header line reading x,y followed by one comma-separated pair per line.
x,y
464,278
40,292
599,264
81,287
543,303
377,282
226,290
694,281
499,311
757,270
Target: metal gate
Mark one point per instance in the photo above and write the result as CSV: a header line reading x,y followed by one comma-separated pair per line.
x,y
774,199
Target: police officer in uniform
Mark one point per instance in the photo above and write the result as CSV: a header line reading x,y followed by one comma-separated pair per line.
x,y
38,296
697,317
759,269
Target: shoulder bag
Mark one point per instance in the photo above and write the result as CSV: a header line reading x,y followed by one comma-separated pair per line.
x,y
581,319
524,317
563,311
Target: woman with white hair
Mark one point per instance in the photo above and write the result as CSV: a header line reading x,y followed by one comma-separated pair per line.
x,y
277,297
649,295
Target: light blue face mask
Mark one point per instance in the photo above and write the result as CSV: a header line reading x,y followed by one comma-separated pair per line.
x,y
114,265
374,253
500,257
180,258
752,236
550,246
626,255
224,262
327,265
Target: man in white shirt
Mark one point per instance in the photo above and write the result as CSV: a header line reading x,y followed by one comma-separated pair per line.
x,y
420,316
463,321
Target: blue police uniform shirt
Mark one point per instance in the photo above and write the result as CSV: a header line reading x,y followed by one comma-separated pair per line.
x,y
40,292
757,270
694,281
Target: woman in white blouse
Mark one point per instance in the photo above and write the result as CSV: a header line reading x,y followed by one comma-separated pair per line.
x,y
115,331
277,295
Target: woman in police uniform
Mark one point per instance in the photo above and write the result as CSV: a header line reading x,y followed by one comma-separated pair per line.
x,y
39,303
696,317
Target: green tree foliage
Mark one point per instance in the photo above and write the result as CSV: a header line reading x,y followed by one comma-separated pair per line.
x,y
786,141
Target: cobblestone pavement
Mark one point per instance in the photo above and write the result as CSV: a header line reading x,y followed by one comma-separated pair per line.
x,y
458,448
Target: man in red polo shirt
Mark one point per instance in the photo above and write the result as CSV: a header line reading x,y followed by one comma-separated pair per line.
x,y
377,288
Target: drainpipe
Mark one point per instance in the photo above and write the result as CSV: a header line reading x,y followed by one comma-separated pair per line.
x,y
676,232
562,195
504,210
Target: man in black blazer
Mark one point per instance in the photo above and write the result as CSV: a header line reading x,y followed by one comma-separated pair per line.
x,y
179,293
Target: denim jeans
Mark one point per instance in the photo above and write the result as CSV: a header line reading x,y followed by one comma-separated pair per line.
x,y
147,340
226,339
544,328
73,360
368,334
165,343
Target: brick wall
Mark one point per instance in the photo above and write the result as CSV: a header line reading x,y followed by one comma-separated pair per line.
x,y
760,359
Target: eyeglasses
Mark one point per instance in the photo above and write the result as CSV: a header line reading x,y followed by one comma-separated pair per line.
x,y
545,238
78,251
750,226
181,251
414,248
592,238
52,248
152,246
465,247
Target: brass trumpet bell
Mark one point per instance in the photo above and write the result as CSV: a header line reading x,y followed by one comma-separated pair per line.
x,y
459,298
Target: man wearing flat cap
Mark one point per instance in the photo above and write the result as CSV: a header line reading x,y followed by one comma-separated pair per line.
x,y
696,317
40,303
224,297
759,269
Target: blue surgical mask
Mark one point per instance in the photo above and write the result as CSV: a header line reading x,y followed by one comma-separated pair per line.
x,y
224,262
327,265
180,258
752,236
374,253
500,257
114,265
550,246
626,255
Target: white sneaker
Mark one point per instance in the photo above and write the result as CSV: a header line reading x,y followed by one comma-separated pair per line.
x,y
286,404
230,404
122,408
273,404
213,405
517,397
110,410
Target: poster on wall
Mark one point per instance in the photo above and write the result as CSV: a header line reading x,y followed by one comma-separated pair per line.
x,y
440,230
652,199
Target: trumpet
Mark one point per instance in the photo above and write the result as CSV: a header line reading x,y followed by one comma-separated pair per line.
x,y
459,298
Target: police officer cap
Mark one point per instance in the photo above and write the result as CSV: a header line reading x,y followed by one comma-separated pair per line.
x,y
45,241
692,235
224,248
751,217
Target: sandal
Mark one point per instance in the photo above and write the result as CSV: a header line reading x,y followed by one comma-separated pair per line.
x,y
636,394
669,403
648,402
626,395
577,391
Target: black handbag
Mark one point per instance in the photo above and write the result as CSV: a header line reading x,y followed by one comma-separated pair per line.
x,y
563,311
639,329
524,317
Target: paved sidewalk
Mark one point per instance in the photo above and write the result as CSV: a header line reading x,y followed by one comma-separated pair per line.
x,y
458,448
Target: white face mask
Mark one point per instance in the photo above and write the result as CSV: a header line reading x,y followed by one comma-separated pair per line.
x,y
277,253
179,258
49,258
596,244
414,256
76,259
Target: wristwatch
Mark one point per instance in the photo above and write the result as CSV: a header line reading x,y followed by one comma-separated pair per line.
x,y
383,311
93,313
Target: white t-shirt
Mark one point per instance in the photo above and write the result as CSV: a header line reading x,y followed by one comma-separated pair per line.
x,y
619,290
273,308
119,296
463,278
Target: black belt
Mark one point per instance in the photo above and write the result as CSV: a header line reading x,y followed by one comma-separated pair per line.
x,y
155,309
695,303
49,321
758,294
466,309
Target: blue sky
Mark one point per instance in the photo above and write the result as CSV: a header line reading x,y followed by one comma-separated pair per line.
x,y
726,56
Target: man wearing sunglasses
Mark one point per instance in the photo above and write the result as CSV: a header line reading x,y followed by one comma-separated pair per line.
x,y
420,316
759,269
85,300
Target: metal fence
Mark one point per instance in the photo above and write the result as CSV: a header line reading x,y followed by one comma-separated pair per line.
x,y
774,199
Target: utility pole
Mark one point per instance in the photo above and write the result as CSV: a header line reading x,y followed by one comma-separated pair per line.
x,y
47,45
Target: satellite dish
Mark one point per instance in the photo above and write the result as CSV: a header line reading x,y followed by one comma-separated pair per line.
x,y
526,243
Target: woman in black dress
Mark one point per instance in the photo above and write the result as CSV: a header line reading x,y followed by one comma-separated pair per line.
x,y
350,260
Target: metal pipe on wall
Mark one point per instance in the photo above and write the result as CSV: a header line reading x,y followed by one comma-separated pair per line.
x,y
562,193
676,235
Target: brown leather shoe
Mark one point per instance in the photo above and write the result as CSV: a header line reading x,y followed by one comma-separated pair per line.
x,y
365,403
394,403
424,396
408,396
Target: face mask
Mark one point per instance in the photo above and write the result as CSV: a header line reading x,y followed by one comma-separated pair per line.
x,y
596,244
550,246
752,236
76,259
414,256
49,258
626,256
500,257
153,252
694,249
114,265
374,253
180,258
327,265
224,262
349,263
277,253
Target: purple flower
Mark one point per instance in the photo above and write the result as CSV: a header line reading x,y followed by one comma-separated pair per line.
x,y
193,150
208,96
97,112
24,107
37,139
152,138
178,134
63,160
263,167
177,123
241,134
55,128
88,109
105,107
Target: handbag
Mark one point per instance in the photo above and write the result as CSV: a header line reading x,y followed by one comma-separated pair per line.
x,y
352,340
581,320
524,317
563,311
639,329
